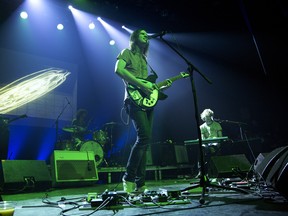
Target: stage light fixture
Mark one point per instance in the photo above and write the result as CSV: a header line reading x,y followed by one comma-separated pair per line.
x,y
24,15
91,25
60,26
70,7
112,42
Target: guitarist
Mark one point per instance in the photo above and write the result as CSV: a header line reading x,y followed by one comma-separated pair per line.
x,y
131,65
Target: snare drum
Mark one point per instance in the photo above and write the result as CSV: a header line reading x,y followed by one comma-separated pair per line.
x,y
96,148
100,136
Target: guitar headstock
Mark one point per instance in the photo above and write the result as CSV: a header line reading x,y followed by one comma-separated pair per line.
x,y
184,74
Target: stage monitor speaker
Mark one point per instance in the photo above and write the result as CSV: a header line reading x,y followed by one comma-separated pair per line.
x,y
228,166
278,175
268,162
259,160
71,168
24,175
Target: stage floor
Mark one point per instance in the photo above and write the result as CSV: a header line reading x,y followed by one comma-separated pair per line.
x,y
218,201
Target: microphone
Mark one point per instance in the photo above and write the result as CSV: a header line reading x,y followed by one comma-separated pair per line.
x,y
160,34
219,120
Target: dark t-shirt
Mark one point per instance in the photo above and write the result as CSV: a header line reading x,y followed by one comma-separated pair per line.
x,y
135,63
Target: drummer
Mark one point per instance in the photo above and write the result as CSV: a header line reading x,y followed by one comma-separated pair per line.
x,y
80,124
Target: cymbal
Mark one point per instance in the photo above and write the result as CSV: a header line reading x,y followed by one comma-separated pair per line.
x,y
111,123
73,129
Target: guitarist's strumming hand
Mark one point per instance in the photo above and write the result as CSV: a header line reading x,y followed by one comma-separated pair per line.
x,y
148,88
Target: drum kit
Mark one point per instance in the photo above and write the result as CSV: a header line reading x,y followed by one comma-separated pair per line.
x,y
99,140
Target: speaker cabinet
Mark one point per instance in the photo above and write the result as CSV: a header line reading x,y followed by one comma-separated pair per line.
x,y
24,175
274,169
228,166
259,160
268,162
163,154
73,168
181,154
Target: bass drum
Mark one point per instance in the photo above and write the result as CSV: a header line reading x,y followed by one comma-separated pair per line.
x,y
96,148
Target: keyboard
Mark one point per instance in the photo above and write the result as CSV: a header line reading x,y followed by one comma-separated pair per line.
x,y
204,141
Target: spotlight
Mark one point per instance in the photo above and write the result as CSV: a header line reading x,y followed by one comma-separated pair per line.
x,y
60,26
112,42
91,25
24,15
70,7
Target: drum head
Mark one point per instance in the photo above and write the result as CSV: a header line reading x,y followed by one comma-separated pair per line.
x,y
96,148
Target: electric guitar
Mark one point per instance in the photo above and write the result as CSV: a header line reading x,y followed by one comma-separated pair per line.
x,y
148,101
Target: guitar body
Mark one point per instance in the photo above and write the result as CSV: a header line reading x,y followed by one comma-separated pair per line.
x,y
149,101
142,100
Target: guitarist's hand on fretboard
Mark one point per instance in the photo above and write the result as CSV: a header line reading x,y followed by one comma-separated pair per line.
x,y
146,92
168,84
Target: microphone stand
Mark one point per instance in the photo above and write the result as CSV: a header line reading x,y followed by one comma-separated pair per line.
x,y
233,122
204,181
57,121
241,134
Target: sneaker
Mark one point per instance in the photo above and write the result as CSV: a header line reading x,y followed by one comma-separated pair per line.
x,y
142,189
128,186
198,175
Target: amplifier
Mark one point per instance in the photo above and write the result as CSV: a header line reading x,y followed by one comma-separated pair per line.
x,y
24,175
70,167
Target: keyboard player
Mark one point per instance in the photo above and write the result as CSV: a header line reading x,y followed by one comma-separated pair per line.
x,y
210,129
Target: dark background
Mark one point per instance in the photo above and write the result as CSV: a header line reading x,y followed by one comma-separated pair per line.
x,y
239,45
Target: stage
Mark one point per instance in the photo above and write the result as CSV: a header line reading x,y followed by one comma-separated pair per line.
x,y
58,201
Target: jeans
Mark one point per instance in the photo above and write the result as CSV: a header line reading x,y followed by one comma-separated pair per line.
x,y
136,165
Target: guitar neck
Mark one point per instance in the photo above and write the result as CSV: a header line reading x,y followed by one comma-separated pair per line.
x,y
172,79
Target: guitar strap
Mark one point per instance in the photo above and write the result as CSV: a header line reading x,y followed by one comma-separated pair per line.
x,y
152,71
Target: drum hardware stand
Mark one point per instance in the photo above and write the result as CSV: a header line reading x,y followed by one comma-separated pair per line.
x,y
105,161
111,125
204,180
